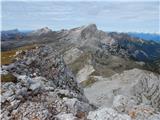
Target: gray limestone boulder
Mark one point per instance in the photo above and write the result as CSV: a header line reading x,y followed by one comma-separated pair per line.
x,y
107,114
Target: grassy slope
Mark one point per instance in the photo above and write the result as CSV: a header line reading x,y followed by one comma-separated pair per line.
x,y
8,57
79,63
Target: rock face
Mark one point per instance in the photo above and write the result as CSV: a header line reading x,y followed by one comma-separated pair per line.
x,y
124,109
47,63
134,93
47,94
147,91
84,73
144,86
88,36
107,114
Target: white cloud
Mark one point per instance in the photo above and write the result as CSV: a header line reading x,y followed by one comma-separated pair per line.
x,y
125,16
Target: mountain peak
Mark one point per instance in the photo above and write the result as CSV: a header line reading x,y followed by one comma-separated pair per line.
x,y
91,27
44,30
89,31
41,31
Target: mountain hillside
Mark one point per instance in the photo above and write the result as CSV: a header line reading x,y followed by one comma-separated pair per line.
x,y
11,35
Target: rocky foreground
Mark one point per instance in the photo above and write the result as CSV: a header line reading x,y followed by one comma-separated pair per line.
x,y
45,89
134,92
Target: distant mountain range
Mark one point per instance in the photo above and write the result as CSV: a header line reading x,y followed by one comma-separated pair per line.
x,y
14,34
88,37
141,46
146,36
17,34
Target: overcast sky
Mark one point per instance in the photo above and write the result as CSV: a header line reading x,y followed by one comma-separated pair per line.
x,y
122,16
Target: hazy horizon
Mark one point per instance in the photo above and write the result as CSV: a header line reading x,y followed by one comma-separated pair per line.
x,y
108,16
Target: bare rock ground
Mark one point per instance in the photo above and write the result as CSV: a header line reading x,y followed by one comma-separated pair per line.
x,y
45,89
134,92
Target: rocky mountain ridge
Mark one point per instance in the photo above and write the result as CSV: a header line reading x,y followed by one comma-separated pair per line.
x,y
85,36
39,32
44,88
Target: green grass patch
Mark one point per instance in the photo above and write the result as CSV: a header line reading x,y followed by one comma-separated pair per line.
x,y
7,57
8,78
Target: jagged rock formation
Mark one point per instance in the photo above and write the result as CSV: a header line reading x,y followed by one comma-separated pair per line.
x,y
120,104
132,92
147,91
88,36
124,104
107,114
143,84
43,62
44,88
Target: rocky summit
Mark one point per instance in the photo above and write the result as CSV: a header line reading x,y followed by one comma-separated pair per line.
x,y
79,74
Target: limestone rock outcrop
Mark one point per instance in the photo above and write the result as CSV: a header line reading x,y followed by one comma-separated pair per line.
x,y
45,89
